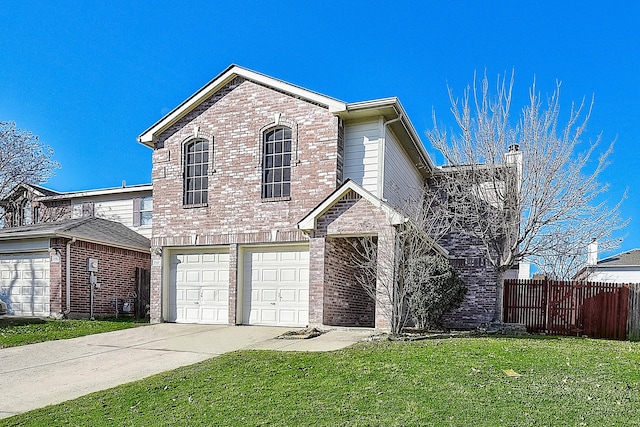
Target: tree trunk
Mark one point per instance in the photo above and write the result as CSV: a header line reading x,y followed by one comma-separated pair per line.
x,y
498,310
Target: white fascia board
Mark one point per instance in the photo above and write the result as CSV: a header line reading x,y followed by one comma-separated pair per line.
x,y
27,186
372,104
100,192
393,216
415,138
332,104
308,223
393,105
41,236
214,85
100,242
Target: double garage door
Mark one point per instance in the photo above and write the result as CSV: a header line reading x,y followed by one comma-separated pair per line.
x,y
274,287
24,283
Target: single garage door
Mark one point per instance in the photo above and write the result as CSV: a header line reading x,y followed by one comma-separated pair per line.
x,y
276,286
199,287
24,283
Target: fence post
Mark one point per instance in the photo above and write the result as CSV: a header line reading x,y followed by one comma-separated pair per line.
x,y
633,319
547,297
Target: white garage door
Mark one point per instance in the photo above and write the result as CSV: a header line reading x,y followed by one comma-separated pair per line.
x,y
24,283
199,287
276,286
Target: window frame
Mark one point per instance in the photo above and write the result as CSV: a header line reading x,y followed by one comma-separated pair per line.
x,y
139,211
277,161
202,163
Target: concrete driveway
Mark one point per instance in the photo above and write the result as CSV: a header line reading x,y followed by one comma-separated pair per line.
x,y
47,373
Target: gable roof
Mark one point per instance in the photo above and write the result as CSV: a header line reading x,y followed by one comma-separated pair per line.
x,y
309,222
389,108
37,190
94,230
625,259
397,119
233,71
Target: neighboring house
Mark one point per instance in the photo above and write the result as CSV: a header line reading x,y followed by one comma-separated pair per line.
x,y
30,204
44,268
20,206
258,186
621,268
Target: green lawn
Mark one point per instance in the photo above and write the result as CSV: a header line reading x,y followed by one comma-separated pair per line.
x,y
449,382
16,331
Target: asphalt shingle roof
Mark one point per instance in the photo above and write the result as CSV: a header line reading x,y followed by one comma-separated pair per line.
x,y
629,258
96,230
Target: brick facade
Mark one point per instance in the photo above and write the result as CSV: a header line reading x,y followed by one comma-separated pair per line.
x,y
333,272
116,277
232,120
478,306
346,303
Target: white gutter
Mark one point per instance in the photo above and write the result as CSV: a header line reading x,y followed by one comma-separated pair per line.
x,y
68,278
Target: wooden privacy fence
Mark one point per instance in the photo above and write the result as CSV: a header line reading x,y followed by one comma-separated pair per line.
x,y
594,309
143,292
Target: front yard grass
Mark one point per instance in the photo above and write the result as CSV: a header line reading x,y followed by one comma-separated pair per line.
x,y
448,382
16,331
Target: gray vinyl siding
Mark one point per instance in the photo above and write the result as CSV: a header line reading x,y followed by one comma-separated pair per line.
x,y
112,207
361,154
402,181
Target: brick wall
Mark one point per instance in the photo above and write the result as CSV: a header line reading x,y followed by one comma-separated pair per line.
x,y
346,301
116,276
479,303
232,121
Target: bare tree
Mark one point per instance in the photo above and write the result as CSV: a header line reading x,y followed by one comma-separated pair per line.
x,y
394,265
23,158
540,202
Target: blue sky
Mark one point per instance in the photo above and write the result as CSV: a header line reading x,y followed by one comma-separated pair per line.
x,y
89,77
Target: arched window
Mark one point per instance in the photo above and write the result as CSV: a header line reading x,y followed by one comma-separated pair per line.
x,y
276,163
196,172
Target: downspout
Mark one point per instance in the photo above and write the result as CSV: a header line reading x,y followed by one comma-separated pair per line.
x,y
68,276
383,198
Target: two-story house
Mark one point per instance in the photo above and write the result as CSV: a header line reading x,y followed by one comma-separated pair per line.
x,y
258,184
28,204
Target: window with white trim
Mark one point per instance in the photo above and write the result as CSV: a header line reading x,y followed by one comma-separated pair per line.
x,y
196,172
276,163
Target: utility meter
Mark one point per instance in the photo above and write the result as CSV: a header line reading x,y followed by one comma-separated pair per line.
x,y
92,265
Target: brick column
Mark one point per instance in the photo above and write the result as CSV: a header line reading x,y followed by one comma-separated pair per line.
x,y
386,266
56,278
156,285
233,284
316,280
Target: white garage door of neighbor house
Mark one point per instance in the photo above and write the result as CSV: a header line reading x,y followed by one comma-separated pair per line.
x,y
276,286
199,287
24,283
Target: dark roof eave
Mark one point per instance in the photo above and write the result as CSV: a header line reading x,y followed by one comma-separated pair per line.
x,y
66,235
